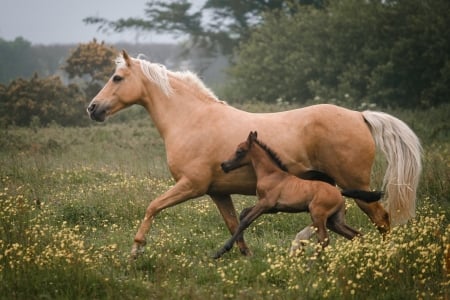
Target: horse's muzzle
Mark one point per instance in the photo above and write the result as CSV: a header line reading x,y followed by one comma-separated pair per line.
x,y
96,112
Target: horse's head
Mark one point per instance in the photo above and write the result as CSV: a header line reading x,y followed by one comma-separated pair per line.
x,y
240,157
123,89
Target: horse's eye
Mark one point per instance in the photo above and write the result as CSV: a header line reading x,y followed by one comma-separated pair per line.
x,y
117,78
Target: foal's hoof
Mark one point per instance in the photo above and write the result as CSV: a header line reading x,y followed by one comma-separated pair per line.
x,y
218,255
246,252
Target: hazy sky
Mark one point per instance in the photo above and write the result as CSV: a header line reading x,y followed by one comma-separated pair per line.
x,y
61,21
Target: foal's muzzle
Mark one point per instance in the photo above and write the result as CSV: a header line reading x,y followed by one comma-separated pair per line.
x,y
228,166
225,167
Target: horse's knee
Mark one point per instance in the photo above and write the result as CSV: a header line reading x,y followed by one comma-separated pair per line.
x,y
384,224
380,218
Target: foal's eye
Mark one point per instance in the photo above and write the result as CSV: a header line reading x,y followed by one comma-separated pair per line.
x,y
117,78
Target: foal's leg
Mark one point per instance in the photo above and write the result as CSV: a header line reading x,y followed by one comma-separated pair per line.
x,y
319,222
337,224
228,212
251,215
183,190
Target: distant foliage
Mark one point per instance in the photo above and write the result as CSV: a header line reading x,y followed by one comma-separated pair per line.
x,y
94,63
391,53
16,59
40,101
215,26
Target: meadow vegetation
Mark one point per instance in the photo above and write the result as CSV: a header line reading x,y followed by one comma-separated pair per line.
x,y
71,199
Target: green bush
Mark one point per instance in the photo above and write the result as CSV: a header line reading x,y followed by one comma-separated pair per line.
x,y
41,101
391,53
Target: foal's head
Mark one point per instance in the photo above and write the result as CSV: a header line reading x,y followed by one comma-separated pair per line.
x,y
240,157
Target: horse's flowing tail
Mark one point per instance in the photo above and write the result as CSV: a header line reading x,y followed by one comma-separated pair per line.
x,y
403,151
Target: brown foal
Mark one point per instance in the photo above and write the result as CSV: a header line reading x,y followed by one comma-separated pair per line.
x,y
279,191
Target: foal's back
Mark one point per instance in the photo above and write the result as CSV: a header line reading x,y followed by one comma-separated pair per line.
x,y
298,195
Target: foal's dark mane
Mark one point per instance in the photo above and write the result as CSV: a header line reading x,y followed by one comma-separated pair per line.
x,y
272,154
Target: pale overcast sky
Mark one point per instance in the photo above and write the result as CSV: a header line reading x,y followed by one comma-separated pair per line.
x,y
61,21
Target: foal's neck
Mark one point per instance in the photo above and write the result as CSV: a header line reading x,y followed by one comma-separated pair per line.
x,y
262,162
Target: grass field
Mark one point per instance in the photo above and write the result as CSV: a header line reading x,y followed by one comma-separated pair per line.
x,y
71,200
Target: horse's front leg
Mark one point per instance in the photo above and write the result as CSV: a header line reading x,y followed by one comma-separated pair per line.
x,y
226,208
183,190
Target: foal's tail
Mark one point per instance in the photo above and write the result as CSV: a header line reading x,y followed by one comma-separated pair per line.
x,y
403,151
363,195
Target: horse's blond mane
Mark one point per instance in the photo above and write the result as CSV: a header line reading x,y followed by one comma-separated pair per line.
x,y
159,74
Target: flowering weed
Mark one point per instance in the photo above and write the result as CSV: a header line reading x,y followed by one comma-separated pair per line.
x,y
67,221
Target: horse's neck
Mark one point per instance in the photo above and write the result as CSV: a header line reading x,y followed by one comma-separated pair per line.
x,y
175,110
262,162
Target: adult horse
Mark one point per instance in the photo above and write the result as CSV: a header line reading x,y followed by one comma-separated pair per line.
x,y
199,132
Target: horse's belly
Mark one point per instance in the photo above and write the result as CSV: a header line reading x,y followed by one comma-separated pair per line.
x,y
236,182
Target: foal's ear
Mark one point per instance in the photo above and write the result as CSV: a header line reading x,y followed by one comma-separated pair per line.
x,y
126,57
252,136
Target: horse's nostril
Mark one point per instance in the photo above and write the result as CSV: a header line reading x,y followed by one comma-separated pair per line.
x,y
91,107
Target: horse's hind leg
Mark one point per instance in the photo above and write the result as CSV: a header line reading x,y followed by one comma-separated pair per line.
x,y
304,235
228,212
377,214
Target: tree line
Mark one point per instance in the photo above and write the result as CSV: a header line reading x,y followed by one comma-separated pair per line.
x,y
40,85
41,100
389,53
384,52
356,53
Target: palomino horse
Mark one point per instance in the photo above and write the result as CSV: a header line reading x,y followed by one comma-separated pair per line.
x,y
199,132
279,191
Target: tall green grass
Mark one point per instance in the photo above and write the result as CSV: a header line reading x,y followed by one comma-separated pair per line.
x,y
71,200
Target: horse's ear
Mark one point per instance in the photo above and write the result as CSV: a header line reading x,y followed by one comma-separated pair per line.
x,y
126,57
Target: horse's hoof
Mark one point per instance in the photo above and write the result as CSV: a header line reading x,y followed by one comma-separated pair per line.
x,y
297,247
136,251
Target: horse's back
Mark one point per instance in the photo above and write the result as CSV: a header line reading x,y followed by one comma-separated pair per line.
x,y
323,137
326,138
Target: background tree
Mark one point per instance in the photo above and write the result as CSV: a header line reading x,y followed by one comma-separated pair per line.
x,y
16,59
93,64
392,53
216,26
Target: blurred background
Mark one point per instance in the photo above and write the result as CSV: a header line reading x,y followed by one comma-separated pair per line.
x,y
354,53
